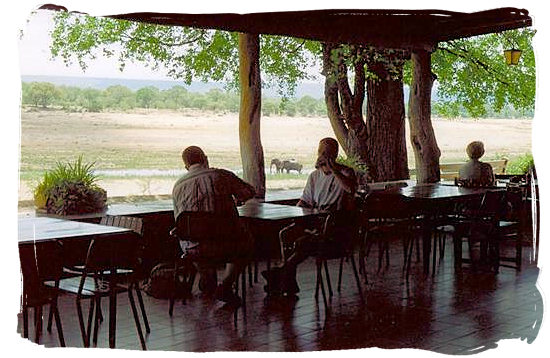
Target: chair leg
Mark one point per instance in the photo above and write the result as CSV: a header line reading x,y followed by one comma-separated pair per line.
x,y
136,318
380,254
25,322
519,252
457,251
318,278
142,308
97,320
50,319
328,279
409,257
250,275
90,318
434,252
442,240
173,293
81,323
340,274
320,283
37,323
59,326
356,274
387,249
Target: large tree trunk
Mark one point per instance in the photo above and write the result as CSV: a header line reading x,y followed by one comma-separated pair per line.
x,y
386,125
378,142
426,151
344,106
252,154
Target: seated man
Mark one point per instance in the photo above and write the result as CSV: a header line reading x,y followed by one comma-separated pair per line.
x,y
205,189
475,172
330,187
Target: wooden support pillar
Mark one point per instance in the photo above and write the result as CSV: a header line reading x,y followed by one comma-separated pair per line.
x,y
426,151
252,154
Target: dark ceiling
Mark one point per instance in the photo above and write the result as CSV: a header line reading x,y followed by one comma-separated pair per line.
x,y
383,28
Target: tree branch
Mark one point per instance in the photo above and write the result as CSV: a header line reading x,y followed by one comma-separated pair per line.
x,y
164,43
476,62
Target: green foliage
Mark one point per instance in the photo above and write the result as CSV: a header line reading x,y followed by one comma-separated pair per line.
x,y
472,76
186,53
353,163
146,97
40,94
520,165
70,188
122,98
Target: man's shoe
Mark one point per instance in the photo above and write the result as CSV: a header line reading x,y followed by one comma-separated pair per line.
x,y
227,296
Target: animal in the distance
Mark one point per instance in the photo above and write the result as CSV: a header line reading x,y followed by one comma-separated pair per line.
x,y
278,166
292,164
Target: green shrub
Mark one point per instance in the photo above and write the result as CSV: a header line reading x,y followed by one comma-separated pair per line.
x,y
70,188
353,163
520,165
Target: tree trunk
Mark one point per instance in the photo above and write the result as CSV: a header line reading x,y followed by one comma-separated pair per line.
x,y
426,151
385,122
252,154
344,107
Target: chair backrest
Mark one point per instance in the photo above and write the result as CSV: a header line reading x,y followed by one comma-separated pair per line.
x,y
387,206
129,222
113,251
203,226
450,170
493,204
39,263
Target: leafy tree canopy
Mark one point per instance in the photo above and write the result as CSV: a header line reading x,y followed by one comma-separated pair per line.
x,y
471,73
187,53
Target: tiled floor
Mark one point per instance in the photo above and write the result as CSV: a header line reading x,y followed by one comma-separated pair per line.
x,y
446,312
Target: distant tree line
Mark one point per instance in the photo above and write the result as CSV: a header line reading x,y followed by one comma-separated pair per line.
x,y
118,97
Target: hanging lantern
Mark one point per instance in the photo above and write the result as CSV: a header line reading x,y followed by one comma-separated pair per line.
x,y
512,56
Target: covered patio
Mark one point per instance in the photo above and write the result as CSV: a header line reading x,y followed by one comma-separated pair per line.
x,y
441,309
444,313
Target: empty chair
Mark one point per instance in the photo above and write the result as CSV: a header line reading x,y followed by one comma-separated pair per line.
x,y
385,217
109,269
41,263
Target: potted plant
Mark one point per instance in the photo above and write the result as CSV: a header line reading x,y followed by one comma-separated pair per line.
x,y
70,189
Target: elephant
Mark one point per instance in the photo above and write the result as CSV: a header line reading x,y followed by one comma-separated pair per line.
x,y
278,166
289,165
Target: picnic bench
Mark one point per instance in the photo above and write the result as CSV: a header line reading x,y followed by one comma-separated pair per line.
x,y
449,171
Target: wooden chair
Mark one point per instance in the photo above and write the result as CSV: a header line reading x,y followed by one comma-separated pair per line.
x,y
334,247
110,268
488,228
383,217
39,264
202,227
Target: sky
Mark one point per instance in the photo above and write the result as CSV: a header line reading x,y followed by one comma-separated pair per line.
x,y
35,57
32,60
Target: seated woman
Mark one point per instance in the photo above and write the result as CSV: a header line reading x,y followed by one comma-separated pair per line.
x,y
474,172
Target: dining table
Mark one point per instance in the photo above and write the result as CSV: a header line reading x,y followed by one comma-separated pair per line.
x,y
434,199
43,230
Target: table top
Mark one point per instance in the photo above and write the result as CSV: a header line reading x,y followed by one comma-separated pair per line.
x,y
268,211
437,191
250,210
41,229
